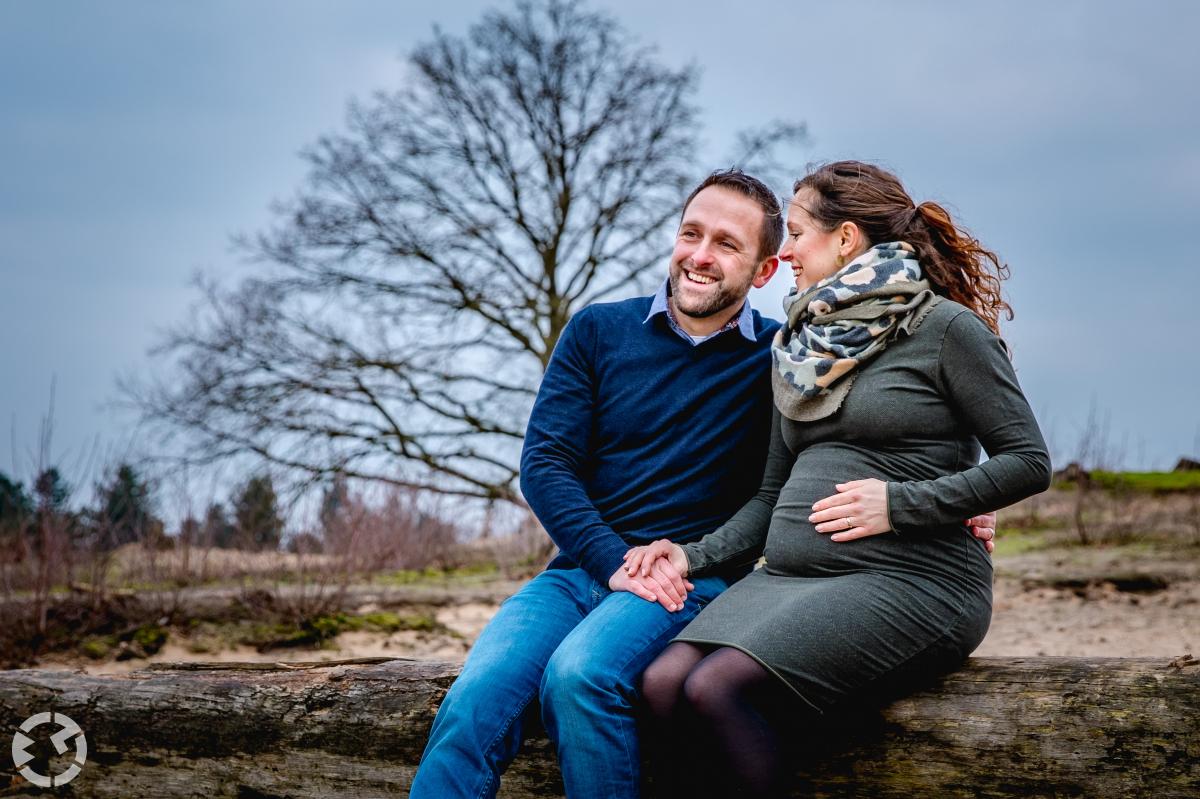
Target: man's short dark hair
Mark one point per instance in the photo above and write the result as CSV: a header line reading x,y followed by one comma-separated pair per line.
x,y
737,180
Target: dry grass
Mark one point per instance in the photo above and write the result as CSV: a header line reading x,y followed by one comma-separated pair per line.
x,y
135,566
1093,515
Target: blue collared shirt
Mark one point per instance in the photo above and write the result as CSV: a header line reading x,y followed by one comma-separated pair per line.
x,y
743,321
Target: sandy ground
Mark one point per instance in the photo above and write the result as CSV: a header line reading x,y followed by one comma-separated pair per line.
x,y
1104,622
465,621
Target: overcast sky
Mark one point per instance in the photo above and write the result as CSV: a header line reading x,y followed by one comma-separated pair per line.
x,y
137,137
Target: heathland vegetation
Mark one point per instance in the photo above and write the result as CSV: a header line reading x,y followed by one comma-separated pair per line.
x,y
109,583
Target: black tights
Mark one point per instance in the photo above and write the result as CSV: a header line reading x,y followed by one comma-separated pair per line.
x,y
706,723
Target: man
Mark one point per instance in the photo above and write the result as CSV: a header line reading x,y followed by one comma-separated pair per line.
x,y
651,422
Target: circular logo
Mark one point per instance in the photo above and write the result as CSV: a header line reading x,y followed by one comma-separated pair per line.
x,y
21,754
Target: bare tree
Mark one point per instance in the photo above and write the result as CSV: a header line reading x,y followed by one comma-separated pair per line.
x,y
409,298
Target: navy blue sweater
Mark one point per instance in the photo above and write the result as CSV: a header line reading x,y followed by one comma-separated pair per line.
x,y
637,435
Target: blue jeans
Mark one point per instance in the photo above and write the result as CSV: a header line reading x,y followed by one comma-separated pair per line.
x,y
579,648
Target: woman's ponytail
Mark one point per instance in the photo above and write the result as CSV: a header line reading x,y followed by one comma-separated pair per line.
x,y
953,260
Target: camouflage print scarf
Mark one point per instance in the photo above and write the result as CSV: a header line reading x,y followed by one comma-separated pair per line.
x,y
841,323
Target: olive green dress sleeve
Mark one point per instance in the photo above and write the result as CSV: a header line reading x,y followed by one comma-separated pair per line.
x,y
978,381
741,539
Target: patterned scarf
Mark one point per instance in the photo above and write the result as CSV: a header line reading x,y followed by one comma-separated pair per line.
x,y
841,323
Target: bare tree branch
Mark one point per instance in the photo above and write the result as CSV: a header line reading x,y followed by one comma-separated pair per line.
x,y
406,301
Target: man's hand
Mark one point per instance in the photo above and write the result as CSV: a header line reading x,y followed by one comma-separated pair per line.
x,y
659,586
983,527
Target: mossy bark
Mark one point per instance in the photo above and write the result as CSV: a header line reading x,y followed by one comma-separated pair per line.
x,y
1000,727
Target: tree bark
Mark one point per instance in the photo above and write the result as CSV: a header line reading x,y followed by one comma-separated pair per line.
x,y
1000,727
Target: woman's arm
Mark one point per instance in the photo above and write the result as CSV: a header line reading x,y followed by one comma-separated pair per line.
x,y
979,382
977,379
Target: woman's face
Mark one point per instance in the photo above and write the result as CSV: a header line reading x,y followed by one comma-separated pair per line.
x,y
813,253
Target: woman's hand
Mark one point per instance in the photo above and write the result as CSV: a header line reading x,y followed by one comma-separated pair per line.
x,y
662,554
857,510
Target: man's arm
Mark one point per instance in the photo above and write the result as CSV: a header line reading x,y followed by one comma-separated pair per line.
x,y
556,456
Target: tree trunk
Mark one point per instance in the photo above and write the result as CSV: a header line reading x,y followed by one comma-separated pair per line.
x,y
1000,727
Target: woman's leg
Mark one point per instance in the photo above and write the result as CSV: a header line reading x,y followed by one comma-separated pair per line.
x,y
669,734
727,691
662,682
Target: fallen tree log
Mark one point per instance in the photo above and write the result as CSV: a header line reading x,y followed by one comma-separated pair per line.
x,y
1000,727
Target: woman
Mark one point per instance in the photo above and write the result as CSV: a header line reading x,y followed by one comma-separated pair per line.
x,y
887,377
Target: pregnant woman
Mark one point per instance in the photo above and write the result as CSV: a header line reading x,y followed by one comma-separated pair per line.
x,y
888,375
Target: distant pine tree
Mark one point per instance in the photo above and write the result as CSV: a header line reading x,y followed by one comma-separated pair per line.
x,y
15,504
51,490
335,506
256,514
16,514
216,530
126,514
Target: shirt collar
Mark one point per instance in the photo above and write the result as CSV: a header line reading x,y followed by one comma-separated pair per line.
x,y
744,321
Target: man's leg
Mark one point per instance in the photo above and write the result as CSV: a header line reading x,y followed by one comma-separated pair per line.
x,y
478,728
590,686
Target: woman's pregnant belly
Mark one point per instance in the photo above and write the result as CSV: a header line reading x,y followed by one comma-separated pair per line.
x,y
795,547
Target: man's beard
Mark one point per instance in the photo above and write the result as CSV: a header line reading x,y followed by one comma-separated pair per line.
x,y
721,300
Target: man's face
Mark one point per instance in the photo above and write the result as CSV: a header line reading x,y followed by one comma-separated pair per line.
x,y
716,259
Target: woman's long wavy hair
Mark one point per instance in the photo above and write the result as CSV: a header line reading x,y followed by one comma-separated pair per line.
x,y
953,261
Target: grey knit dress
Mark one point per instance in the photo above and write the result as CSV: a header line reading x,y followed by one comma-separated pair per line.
x,y
838,621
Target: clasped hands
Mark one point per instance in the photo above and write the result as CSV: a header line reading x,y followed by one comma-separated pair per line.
x,y
657,571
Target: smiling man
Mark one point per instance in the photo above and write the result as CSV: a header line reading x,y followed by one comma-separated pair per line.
x,y
715,263
651,422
